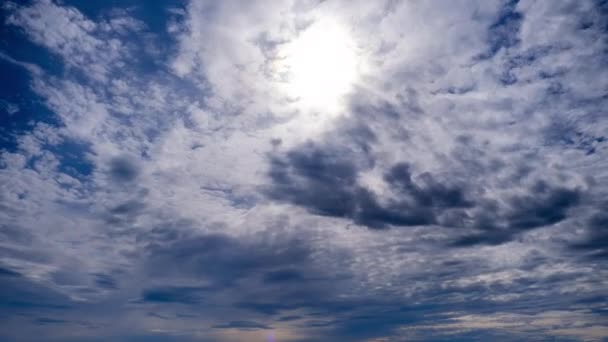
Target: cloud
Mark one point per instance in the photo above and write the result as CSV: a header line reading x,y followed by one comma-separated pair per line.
x,y
65,31
158,183
105,281
280,276
547,205
123,169
8,273
184,295
244,325
325,180
596,240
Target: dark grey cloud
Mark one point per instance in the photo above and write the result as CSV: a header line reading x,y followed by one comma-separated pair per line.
x,y
271,308
127,208
541,205
222,259
242,325
430,192
105,281
124,169
16,234
595,243
280,276
264,276
289,318
318,178
26,254
324,179
46,320
5,272
482,238
174,294
544,205
20,293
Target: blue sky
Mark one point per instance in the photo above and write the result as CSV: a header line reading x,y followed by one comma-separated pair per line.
x,y
304,170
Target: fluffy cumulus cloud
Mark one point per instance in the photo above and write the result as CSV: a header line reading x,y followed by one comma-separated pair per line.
x,y
304,170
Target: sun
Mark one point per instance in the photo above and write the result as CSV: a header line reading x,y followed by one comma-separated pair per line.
x,y
319,66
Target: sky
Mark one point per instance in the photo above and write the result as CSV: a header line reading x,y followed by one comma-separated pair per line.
x,y
303,170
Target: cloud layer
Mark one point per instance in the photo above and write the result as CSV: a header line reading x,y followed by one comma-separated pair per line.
x,y
159,185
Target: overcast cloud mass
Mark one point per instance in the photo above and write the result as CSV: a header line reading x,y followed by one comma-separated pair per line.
x,y
304,170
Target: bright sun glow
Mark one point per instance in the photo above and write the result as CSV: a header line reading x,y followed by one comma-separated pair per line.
x,y
319,66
